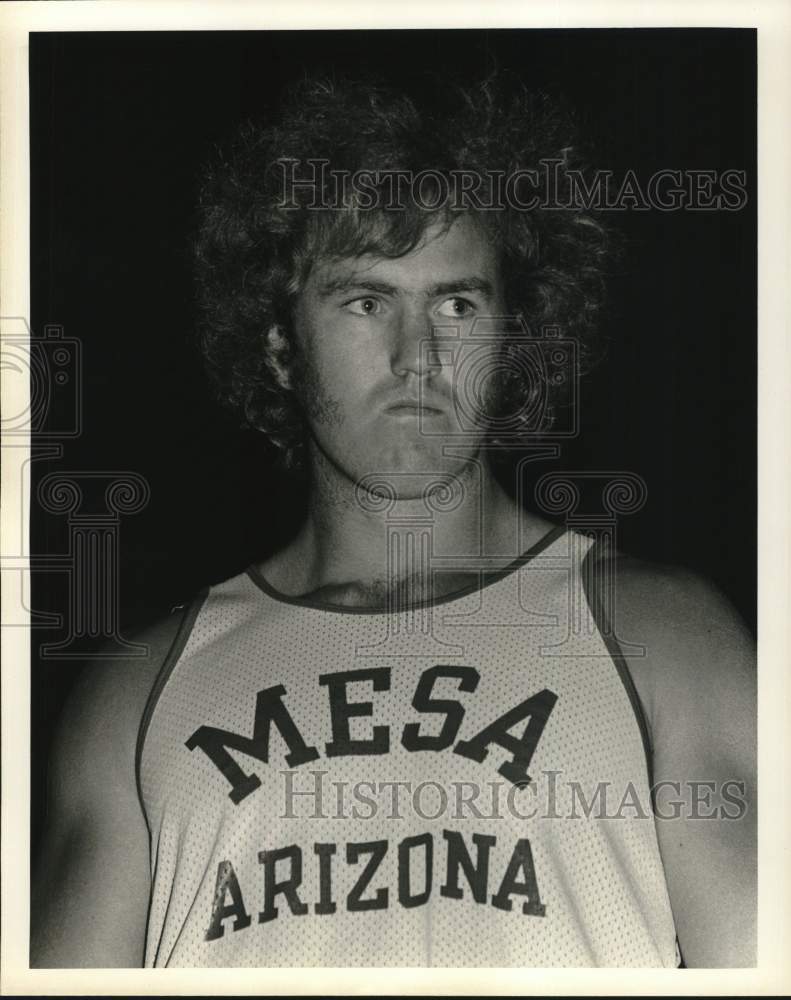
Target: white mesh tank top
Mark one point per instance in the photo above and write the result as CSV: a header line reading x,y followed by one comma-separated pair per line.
x,y
464,783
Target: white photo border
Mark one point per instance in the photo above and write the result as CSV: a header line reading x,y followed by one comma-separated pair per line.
x,y
772,19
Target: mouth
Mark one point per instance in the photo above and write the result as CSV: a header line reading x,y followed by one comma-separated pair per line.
x,y
412,407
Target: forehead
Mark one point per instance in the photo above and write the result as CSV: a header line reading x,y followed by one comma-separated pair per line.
x,y
444,253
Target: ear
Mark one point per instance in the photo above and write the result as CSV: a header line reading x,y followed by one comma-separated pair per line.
x,y
279,356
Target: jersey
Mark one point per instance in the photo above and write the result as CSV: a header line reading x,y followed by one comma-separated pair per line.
x,y
463,782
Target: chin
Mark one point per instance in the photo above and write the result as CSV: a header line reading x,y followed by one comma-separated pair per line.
x,y
405,471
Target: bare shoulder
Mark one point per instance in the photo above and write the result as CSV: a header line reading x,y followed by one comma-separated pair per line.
x,y
692,662
91,881
99,726
687,648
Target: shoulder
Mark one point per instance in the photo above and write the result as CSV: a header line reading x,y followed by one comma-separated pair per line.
x,y
672,604
91,886
689,653
96,738
692,662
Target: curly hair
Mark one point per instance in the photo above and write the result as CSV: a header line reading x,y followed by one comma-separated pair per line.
x,y
253,251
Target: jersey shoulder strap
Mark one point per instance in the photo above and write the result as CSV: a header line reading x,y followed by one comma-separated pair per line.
x,y
173,638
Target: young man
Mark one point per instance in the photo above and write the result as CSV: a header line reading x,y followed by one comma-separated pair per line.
x,y
410,736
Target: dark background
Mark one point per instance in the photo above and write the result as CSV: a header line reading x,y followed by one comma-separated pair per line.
x,y
119,123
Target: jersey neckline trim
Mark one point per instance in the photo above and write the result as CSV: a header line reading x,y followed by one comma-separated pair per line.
x,y
486,579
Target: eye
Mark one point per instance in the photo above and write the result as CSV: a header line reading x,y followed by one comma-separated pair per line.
x,y
364,307
456,308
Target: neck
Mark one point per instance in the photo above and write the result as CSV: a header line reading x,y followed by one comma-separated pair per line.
x,y
357,539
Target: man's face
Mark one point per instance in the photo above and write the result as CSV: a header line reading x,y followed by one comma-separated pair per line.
x,y
377,397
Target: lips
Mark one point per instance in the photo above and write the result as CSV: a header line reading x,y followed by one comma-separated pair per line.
x,y
415,406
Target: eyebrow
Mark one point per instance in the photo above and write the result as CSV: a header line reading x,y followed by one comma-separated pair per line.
x,y
335,285
472,283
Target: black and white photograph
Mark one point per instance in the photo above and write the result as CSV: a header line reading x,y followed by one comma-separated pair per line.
x,y
392,540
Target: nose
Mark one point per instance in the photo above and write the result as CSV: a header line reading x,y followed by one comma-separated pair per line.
x,y
413,350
